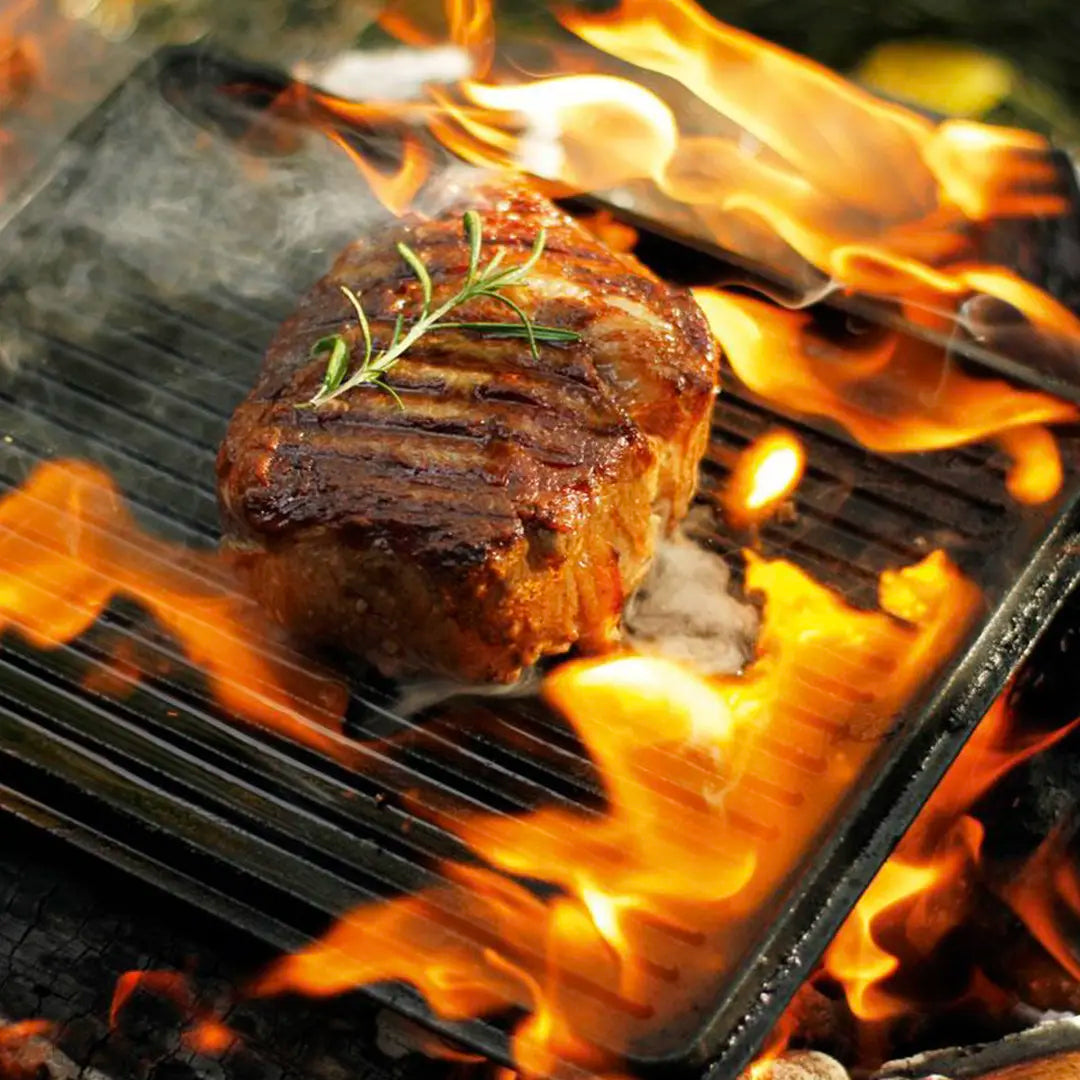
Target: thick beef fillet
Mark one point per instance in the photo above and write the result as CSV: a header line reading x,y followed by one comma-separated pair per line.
x,y
508,509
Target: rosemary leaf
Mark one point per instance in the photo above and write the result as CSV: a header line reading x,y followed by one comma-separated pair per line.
x,y
517,273
554,335
337,364
384,385
420,270
486,282
475,237
526,323
496,262
362,319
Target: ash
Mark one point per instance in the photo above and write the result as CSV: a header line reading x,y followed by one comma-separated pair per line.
x,y
685,611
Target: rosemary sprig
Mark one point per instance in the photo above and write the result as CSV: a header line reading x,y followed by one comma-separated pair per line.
x,y
488,281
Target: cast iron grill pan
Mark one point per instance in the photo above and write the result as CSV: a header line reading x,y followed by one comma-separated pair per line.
x,y
275,838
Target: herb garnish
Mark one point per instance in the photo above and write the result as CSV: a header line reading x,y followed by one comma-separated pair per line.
x,y
487,281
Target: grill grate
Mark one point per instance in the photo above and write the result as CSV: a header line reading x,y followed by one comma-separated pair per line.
x,y
276,838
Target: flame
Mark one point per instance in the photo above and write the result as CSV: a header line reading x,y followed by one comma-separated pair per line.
x,y
925,889
395,190
1045,895
891,392
397,1035
465,23
774,157
20,68
606,227
68,546
765,474
167,984
689,847
381,126
858,962
827,166
778,156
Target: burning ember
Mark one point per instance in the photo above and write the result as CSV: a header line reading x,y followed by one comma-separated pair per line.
x,y
22,1051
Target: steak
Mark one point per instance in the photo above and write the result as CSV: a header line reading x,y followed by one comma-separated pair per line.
x,y
510,505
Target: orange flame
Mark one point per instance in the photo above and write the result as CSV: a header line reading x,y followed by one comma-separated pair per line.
x,y
20,68
892,392
856,960
930,874
774,157
777,156
1045,895
765,474
841,176
166,984
395,190
688,849
606,227
68,546
466,23
386,124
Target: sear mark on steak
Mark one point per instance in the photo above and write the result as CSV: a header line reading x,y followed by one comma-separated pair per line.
x,y
513,504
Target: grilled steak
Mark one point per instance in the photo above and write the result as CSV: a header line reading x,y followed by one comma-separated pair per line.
x,y
508,509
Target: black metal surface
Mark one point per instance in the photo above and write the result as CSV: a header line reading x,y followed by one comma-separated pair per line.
x,y
141,377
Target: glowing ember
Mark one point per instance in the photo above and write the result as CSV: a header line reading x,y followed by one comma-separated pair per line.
x,y
12,1034
890,391
23,1053
68,546
19,69
203,1032
766,473
696,773
210,1037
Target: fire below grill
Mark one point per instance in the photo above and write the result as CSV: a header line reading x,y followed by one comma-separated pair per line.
x,y
132,354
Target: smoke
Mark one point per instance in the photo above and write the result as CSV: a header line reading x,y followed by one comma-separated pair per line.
x,y
685,611
193,212
152,201
142,277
